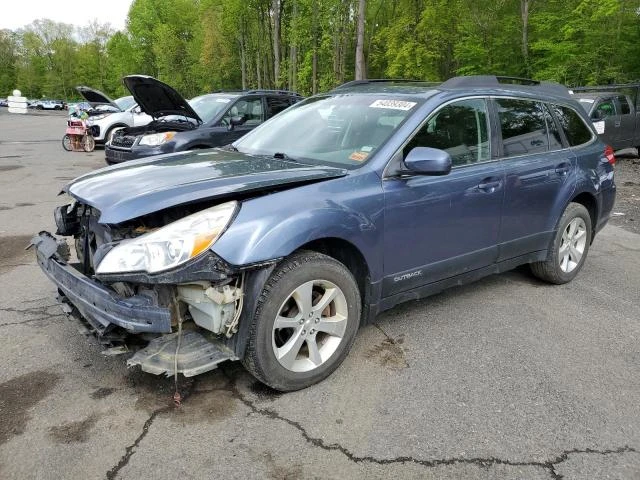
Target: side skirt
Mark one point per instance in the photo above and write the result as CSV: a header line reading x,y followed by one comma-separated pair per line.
x,y
458,280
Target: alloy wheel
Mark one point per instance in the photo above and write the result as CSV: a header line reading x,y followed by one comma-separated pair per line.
x,y
310,326
574,241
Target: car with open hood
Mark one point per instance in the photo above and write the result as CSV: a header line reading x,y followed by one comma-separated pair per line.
x,y
276,249
107,115
206,121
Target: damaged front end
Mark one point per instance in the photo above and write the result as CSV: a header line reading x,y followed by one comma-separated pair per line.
x,y
151,286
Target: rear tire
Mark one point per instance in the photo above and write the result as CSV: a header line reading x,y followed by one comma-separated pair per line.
x,y
66,142
569,248
305,322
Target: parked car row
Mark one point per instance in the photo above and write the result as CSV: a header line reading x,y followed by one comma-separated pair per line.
x,y
275,249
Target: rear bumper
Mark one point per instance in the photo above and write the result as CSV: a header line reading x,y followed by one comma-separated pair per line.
x,y
98,305
607,201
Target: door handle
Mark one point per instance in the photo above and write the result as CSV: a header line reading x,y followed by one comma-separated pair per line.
x,y
563,169
489,185
617,124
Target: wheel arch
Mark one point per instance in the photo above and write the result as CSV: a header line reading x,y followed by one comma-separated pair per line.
x,y
588,201
350,256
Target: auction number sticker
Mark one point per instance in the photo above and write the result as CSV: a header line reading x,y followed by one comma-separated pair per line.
x,y
599,127
393,104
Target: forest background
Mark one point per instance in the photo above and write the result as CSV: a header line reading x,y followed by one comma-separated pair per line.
x,y
310,46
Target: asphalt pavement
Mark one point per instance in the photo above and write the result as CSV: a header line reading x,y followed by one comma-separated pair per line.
x,y
506,378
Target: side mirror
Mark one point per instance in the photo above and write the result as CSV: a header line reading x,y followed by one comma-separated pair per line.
x,y
237,120
428,161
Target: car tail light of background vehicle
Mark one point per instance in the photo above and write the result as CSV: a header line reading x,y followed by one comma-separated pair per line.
x,y
609,155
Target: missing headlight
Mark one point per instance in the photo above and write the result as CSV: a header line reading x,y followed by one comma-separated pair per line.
x,y
67,220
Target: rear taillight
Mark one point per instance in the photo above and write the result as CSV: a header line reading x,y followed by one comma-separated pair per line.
x,y
609,154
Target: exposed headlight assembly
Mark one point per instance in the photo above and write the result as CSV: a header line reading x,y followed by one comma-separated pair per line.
x,y
98,117
171,245
156,139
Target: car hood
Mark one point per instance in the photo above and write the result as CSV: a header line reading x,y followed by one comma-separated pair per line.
x,y
96,97
158,99
137,188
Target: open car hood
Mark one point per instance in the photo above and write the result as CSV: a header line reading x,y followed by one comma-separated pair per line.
x,y
133,189
158,99
96,97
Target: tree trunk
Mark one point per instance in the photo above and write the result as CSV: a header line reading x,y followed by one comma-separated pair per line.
x,y
361,72
243,62
524,11
293,51
276,6
314,33
259,76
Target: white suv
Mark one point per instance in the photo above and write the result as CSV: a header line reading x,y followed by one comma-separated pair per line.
x,y
109,115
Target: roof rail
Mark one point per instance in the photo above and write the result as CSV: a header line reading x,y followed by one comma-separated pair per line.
x,y
355,83
281,92
493,81
600,88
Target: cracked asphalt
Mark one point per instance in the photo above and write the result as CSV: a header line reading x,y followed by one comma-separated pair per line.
x,y
505,378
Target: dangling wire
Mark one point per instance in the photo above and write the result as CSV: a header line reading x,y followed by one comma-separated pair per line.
x,y
177,398
232,327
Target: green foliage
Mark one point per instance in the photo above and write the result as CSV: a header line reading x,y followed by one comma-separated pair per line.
x,y
205,45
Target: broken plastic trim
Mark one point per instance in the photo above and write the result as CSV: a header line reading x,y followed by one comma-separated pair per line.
x,y
197,355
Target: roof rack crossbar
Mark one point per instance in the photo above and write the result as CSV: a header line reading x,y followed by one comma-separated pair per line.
x,y
355,83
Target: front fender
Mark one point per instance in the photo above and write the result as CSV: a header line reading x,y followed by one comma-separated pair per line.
x,y
274,226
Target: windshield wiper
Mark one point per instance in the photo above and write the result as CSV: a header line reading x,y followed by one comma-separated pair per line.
x,y
230,148
283,156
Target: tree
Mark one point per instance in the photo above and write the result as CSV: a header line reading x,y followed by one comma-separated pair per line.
x,y
360,65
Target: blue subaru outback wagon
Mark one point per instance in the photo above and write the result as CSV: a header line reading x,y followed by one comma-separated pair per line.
x,y
276,249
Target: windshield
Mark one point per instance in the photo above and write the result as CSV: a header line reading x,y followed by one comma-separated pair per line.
x,y
209,106
124,102
345,129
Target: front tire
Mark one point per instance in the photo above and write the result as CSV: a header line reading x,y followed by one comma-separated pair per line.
x,y
305,322
569,248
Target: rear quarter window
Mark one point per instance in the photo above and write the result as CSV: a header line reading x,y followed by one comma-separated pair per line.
x,y
574,127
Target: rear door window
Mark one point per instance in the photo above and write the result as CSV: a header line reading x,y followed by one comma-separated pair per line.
x,y
276,104
460,129
624,105
523,125
574,127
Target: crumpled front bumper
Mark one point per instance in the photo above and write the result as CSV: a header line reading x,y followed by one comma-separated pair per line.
x,y
98,305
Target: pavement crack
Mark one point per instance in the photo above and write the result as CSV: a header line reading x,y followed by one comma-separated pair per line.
x,y
39,319
549,465
32,310
188,391
130,450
